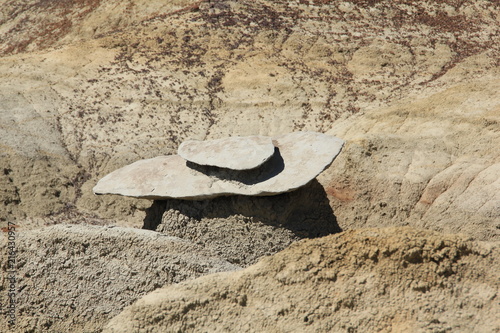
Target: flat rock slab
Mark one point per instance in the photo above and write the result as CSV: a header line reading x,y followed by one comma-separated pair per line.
x,y
298,158
237,153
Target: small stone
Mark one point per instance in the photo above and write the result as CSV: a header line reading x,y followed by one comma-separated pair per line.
x,y
237,153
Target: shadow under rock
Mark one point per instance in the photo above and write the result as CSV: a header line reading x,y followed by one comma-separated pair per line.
x,y
305,211
242,229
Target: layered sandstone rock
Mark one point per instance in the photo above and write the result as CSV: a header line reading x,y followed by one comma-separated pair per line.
x,y
297,159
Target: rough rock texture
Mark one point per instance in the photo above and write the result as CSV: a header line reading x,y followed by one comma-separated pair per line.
x,y
77,277
242,229
369,280
298,158
236,153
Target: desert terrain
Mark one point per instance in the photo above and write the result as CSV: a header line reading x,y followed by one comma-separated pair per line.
x,y
399,234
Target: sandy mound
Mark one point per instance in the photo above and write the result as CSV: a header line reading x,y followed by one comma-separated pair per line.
x,y
80,276
242,229
370,280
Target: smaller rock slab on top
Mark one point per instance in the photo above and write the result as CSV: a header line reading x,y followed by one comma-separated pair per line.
x,y
236,153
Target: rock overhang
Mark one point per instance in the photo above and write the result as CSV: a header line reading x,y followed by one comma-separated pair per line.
x,y
297,159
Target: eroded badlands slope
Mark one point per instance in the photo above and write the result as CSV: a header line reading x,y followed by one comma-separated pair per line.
x,y
419,79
